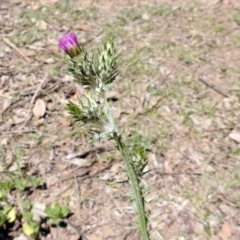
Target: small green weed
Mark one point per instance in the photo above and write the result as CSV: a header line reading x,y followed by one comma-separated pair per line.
x,y
15,186
163,10
11,208
56,213
127,16
236,18
186,58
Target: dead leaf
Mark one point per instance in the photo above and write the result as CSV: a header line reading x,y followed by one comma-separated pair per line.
x,y
234,135
27,52
14,167
17,120
80,162
6,104
39,108
4,80
84,27
209,168
225,231
49,60
48,2
168,166
38,211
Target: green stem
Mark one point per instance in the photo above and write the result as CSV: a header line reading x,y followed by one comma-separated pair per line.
x,y
133,178
134,182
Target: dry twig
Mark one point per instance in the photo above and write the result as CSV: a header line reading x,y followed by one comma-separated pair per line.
x,y
212,87
94,37
19,131
13,46
80,232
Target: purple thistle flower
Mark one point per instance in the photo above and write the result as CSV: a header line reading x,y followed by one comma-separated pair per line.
x,y
69,44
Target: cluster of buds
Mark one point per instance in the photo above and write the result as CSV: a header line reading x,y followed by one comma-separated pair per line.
x,y
107,62
139,160
85,113
93,72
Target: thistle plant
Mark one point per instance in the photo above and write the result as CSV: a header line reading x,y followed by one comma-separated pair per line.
x,y
96,73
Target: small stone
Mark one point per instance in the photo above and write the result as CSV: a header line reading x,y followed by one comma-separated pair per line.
x,y
7,49
49,60
227,103
4,78
42,25
235,136
4,141
145,16
13,168
38,211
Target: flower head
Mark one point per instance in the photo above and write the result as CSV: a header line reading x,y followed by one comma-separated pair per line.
x,y
69,44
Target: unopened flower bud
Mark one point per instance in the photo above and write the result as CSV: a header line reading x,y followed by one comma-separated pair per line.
x,y
69,44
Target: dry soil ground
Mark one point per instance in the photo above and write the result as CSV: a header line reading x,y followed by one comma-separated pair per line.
x,y
180,100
